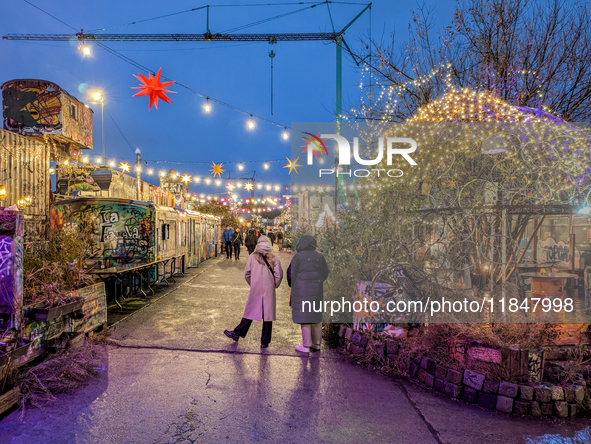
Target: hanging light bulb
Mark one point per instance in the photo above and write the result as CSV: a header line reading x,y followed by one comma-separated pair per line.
x,y
150,171
266,166
240,166
285,134
112,164
251,123
85,50
207,107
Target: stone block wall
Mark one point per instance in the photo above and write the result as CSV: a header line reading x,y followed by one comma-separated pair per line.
x,y
469,386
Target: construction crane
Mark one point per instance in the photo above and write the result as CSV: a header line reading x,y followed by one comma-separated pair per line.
x,y
208,36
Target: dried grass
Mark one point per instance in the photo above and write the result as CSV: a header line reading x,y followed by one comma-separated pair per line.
x,y
434,341
63,372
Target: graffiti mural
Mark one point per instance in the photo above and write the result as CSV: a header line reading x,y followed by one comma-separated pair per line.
x,y
11,279
32,110
37,107
123,232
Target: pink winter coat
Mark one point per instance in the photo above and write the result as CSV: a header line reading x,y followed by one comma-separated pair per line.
x,y
261,300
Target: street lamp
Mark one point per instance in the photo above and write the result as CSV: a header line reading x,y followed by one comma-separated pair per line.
x,y
98,97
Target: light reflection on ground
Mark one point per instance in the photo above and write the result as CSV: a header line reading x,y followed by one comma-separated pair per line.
x,y
580,437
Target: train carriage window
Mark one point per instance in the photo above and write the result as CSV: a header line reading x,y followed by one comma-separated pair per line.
x,y
165,231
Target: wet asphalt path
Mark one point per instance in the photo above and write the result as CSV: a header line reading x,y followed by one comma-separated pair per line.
x,y
171,376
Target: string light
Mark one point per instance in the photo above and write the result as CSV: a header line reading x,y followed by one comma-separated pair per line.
x,y
266,166
150,172
240,166
112,164
285,134
207,107
251,123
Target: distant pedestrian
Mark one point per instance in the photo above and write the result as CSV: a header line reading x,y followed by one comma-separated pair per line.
x,y
271,237
305,275
251,241
280,237
237,241
264,274
227,239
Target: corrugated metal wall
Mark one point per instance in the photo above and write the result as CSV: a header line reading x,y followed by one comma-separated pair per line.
x,y
24,172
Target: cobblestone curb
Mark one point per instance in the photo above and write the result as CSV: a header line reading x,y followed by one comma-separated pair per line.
x,y
471,387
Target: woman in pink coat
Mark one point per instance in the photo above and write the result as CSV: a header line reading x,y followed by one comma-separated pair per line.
x,y
263,273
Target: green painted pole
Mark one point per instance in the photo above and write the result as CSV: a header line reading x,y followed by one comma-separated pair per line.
x,y
208,31
339,113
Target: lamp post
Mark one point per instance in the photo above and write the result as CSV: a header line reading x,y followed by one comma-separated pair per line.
x,y
99,97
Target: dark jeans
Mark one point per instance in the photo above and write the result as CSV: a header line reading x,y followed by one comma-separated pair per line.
x,y
228,246
244,325
250,249
237,251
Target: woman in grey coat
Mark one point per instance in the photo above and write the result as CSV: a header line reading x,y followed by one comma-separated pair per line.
x,y
264,274
305,275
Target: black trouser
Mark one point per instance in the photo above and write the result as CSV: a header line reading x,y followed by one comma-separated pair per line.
x,y
244,325
250,249
228,249
237,251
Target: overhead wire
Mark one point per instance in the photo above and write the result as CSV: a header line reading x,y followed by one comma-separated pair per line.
x,y
269,19
121,132
218,6
52,16
188,88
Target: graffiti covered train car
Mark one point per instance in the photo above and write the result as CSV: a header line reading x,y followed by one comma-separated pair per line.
x,y
125,232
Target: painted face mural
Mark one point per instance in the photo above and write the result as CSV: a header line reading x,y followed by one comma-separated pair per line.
x,y
33,108
123,233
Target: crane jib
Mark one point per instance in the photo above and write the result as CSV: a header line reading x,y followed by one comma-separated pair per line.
x,y
207,37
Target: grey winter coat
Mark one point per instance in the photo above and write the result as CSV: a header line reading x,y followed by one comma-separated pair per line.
x,y
305,275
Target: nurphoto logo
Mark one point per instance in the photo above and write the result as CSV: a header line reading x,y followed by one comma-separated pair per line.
x,y
315,144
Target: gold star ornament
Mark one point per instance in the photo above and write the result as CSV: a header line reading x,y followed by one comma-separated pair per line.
x,y
292,164
186,178
217,169
249,186
125,167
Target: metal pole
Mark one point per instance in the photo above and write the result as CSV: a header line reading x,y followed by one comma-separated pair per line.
x,y
339,104
138,172
504,249
103,122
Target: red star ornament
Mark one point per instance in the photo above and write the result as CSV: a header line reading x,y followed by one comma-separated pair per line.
x,y
154,88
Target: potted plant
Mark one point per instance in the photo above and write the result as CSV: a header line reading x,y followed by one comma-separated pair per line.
x,y
53,270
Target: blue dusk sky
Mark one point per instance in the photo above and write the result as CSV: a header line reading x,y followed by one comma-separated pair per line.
x,y
239,74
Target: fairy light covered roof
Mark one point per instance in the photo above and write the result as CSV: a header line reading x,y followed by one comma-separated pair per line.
x,y
467,105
